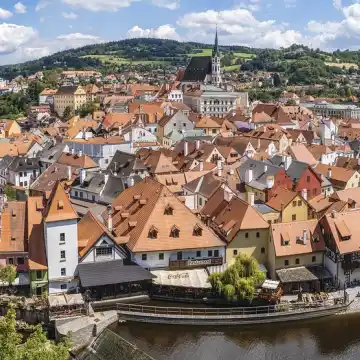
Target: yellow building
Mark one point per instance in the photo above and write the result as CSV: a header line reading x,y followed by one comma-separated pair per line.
x,y
294,250
291,205
9,128
239,225
69,96
210,126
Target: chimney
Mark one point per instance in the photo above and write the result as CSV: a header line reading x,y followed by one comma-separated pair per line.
x,y
358,161
231,171
304,237
72,151
248,176
130,182
333,214
288,161
265,168
80,153
304,194
106,178
110,222
251,198
69,173
82,176
329,173
219,168
197,144
120,130
186,148
201,165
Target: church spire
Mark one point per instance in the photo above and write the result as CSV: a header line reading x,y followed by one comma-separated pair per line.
x,y
216,46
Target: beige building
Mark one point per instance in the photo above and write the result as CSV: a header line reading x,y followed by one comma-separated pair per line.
x,y
69,96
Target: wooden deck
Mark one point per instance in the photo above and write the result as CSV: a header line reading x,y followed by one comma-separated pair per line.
x,y
230,316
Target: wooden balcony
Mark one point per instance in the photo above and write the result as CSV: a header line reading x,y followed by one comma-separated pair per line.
x,y
195,263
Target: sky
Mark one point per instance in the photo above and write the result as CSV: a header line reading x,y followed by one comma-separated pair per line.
x,y
30,29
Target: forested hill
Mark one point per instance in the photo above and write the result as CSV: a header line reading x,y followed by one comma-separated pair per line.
x,y
119,55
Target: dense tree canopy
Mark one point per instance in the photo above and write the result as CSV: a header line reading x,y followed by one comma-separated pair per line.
x,y
240,280
36,347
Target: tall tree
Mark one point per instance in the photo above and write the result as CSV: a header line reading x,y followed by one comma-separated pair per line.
x,y
8,274
277,80
9,337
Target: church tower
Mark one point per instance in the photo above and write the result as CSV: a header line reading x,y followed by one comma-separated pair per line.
x,y
216,71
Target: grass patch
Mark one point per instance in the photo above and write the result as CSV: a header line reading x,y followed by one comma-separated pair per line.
x,y
204,52
341,65
117,60
232,68
244,55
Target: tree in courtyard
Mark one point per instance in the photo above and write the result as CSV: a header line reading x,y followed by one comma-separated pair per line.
x,y
8,274
67,113
36,347
86,109
240,280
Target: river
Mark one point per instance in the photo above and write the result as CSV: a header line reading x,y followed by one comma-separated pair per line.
x,y
336,337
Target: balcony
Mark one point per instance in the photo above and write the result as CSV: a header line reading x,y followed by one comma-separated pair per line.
x,y
194,263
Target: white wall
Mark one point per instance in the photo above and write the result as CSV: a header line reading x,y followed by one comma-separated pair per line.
x,y
54,247
153,261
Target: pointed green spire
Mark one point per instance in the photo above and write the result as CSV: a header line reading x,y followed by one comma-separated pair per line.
x,y
216,51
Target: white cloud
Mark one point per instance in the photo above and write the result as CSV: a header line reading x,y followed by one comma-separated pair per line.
x,y
5,14
13,36
168,4
290,3
42,4
20,8
99,5
69,15
252,5
337,4
78,36
162,32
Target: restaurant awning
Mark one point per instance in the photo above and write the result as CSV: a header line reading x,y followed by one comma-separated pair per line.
x,y
303,274
195,278
111,272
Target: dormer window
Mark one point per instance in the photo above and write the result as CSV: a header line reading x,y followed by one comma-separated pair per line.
x,y
60,204
197,230
169,210
175,232
153,232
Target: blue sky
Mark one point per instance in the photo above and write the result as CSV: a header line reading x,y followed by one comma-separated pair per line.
x,y
33,28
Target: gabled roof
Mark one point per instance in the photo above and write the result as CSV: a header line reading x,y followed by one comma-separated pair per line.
x,y
339,176
205,185
37,255
238,215
142,207
81,162
293,232
198,68
90,230
59,207
281,197
207,122
301,153
12,238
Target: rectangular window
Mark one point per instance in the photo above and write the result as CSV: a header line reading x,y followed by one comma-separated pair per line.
x,y
63,286
161,256
216,253
81,194
144,257
62,255
10,261
25,173
62,237
20,174
246,235
25,183
286,262
198,254
293,217
104,251
210,253
313,259
263,250
200,201
299,203
93,198
308,179
63,272
179,255
20,261
38,275
235,252
21,183
294,203
297,261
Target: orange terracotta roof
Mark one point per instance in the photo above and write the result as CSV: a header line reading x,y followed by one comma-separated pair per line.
x,y
339,176
119,119
141,208
282,197
293,232
345,224
207,122
59,207
13,227
84,161
37,255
